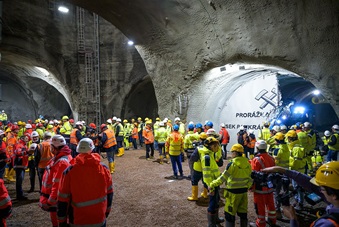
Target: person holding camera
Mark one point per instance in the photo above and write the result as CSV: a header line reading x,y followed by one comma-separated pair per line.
x,y
325,184
237,177
281,155
263,191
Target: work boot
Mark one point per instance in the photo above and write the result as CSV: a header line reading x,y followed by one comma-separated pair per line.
x,y
230,224
161,159
243,222
212,222
194,196
11,175
6,173
121,152
204,194
112,167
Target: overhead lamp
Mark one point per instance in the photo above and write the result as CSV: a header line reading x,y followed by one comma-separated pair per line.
x,y
130,43
316,92
284,117
63,9
299,110
44,71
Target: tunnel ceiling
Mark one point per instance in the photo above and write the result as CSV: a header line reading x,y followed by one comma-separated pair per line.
x,y
178,41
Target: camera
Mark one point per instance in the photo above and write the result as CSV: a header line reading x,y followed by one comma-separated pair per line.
x,y
270,180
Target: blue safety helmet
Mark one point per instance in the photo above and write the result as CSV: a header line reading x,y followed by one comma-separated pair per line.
x,y
175,127
209,124
191,126
198,125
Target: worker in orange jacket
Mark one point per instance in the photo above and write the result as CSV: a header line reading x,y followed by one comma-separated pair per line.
x,y
148,136
5,204
43,155
85,200
52,176
4,158
263,190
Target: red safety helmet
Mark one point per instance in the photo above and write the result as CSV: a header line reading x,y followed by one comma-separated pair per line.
x,y
103,126
14,127
71,121
92,125
40,125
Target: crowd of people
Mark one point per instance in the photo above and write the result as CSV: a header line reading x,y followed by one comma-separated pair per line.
x,y
58,152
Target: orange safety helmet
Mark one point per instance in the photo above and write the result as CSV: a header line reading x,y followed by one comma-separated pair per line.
x,y
103,126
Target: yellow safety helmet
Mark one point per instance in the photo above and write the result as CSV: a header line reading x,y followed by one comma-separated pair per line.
x,y
49,126
146,119
125,121
157,119
291,133
327,175
203,136
64,118
148,122
210,140
279,136
19,123
266,123
237,148
139,118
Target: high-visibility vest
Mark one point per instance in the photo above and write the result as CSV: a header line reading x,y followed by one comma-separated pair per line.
x,y
73,137
111,141
174,144
210,169
297,157
334,147
189,139
282,155
161,135
45,153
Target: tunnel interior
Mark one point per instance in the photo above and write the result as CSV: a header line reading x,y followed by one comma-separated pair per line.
x,y
141,101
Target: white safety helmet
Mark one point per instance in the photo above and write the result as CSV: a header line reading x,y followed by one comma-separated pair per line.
x,y
109,121
34,134
56,121
241,128
83,122
28,126
161,123
191,122
326,133
79,123
261,145
47,134
51,122
2,132
251,131
307,124
114,118
211,132
283,127
33,147
276,128
118,119
222,125
335,127
166,119
177,119
58,140
85,146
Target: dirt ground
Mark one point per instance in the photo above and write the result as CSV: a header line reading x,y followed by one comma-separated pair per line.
x,y
142,197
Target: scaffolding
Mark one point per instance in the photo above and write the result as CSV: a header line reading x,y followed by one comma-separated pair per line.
x,y
88,59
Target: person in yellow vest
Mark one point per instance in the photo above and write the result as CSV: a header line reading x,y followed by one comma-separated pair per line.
x,y
22,128
237,178
49,128
281,155
190,139
161,135
119,134
196,174
3,117
333,144
43,155
66,128
175,147
40,129
75,137
210,172
110,124
109,145
265,133
127,133
155,128
297,162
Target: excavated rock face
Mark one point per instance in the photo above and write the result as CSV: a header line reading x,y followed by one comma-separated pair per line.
x,y
179,41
